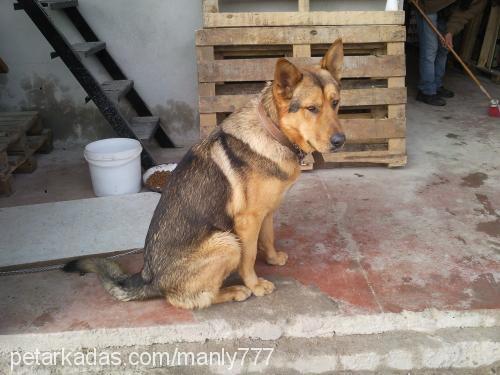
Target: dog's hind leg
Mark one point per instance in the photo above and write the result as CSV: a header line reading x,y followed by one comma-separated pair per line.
x,y
201,275
266,243
232,293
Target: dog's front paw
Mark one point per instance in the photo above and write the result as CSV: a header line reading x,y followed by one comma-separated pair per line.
x,y
278,260
262,287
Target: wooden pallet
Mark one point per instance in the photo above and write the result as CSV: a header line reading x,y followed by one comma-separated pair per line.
x,y
21,135
487,60
237,52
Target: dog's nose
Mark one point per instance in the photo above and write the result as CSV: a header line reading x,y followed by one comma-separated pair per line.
x,y
338,140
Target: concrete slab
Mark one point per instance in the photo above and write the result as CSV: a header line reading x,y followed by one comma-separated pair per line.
x,y
44,233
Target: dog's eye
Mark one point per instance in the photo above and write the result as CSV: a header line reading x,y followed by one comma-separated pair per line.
x,y
335,103
313,109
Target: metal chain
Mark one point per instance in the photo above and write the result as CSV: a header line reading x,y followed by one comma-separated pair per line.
x,y
58,266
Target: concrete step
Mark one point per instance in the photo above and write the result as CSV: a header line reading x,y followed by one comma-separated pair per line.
x,y
466,351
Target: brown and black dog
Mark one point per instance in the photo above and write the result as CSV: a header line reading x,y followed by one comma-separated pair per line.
x,y
217,207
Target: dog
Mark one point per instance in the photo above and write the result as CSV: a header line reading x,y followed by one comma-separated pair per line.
x,y
216,209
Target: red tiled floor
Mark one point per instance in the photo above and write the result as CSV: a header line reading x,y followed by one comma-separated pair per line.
x,y
54,301
422,253
317,251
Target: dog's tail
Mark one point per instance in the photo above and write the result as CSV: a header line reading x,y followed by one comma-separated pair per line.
x,y
120,285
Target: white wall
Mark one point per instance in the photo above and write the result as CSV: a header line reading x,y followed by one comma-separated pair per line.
x,y
152,41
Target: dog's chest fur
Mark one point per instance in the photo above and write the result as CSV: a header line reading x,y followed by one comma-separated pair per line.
x,y
258,168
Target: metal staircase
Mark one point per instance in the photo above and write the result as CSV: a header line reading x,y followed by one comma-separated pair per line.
x,y
106,95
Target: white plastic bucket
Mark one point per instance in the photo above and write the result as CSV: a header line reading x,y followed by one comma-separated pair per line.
x,y
115,166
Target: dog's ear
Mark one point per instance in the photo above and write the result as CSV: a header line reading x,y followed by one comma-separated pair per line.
x,y
333,59
286,77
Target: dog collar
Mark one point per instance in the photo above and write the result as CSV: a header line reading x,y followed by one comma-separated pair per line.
x,y
276,133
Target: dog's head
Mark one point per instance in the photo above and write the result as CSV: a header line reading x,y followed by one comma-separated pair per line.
x,y
308,101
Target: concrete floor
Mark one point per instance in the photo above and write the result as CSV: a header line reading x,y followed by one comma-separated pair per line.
x,y
371,251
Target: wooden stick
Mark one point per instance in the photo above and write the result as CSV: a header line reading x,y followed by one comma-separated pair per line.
x,y
450,48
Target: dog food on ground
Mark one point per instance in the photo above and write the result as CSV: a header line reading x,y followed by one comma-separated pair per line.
x,y
157,180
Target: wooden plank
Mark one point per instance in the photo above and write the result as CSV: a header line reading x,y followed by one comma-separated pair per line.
x,y
88,48
4,161
117,89
36,141
303,18
18,122
28,166
17,161
59,4
24,122
48,145
16,125
208,122
397,146
398,161
145,127
24,162
470,37
301,50
238,70
349,157
5,186
300,35
10,134
37,128
370,130
396,111
303,6
210,6
336,156
20,146
490,39
375,96
18,114
395,48
280,50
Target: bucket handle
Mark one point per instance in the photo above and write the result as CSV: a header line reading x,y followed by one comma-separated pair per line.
x,y
107,159
113,159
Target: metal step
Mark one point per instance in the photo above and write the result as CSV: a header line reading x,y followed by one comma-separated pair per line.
x,y
117,89
59,4
88,48
144,127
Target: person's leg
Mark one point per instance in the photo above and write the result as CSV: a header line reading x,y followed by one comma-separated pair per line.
x,y
441,60
428,44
